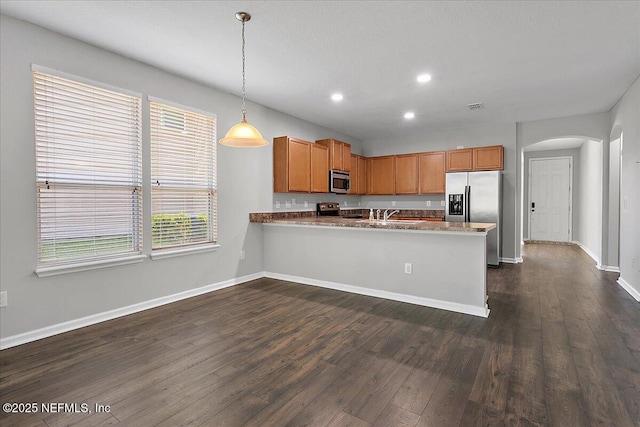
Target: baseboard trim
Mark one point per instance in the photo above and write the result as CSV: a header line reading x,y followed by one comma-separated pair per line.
x,y
511,260
630,290
59,328
591,254
426,302
611,268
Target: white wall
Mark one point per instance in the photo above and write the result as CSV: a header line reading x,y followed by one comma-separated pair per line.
x,y
626,121
244,177
590,203
503,134
613,260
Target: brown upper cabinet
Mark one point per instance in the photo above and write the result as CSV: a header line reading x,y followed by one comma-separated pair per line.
x,y
488,158
339,154
406,174
460,160
432,172
476,159
362,175
319,169
354,184
299,166
381,175
358,175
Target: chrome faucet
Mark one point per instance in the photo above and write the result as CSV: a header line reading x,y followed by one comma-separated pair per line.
x,y
388,215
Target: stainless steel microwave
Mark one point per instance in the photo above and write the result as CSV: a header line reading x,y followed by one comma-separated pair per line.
x,y
338,182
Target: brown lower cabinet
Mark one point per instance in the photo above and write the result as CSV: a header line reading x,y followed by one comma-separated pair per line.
x,y
299,166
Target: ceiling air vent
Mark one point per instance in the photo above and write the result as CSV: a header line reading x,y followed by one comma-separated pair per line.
x,y
476,106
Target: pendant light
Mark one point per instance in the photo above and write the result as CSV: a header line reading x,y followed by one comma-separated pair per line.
x,y
243,135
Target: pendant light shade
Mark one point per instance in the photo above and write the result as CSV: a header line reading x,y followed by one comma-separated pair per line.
x,y
243,135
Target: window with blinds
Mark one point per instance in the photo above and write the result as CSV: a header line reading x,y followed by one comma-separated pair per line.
x,y
183,177
88,172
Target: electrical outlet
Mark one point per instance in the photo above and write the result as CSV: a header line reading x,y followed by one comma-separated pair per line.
x,y
3,299
359,203
346,203
625,204
393,203
408,268
277,204
442,203
306,204
242,255
287,204
293,201
428,203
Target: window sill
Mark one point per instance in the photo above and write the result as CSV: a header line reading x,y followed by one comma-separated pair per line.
x,y
170,253
72,268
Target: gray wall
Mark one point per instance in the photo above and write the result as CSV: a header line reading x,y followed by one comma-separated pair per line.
x,y
590,207
626,121
575,195
614,205
244,177
503,134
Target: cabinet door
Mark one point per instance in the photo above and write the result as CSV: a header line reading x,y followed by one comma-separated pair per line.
x,y
299,161
432,172
459,160
362,175
346,157
406,174
354,183
381,175
336,162
319,169
488,158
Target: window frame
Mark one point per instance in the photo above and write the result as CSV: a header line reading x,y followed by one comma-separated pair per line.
x,y
74,180
162,252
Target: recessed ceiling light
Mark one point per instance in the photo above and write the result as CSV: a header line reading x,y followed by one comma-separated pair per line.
x,y
337,97
409,115
423,78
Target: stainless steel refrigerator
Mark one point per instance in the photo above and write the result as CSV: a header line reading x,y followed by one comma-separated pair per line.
x,y
477,197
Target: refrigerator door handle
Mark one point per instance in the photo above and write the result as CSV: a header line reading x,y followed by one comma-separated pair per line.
x,y
467,203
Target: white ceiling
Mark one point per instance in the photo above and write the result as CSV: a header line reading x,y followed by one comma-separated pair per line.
x,y
524,60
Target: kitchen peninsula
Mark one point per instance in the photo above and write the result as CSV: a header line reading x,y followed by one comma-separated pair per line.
x,y
434,264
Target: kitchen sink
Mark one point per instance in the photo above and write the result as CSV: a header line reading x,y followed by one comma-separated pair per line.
x,y
390,222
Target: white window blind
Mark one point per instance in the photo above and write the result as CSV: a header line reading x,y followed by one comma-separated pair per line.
x,y
183,177
88,167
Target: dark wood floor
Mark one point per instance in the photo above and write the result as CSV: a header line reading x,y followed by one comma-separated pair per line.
x,y
560,348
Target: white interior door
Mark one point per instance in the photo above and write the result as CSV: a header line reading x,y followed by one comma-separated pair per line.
x,y
550,199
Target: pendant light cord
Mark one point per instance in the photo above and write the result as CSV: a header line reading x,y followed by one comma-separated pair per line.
x,y
244,108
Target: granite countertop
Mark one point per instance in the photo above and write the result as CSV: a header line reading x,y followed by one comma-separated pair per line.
x,y
310,219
